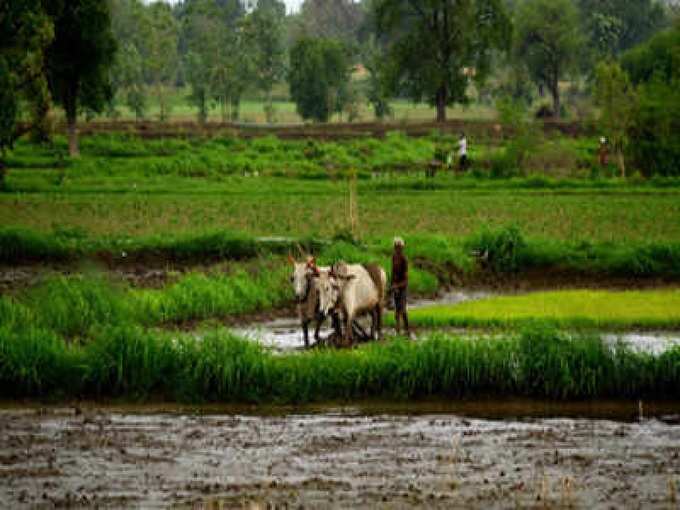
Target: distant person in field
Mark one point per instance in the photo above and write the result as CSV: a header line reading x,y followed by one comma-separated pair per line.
x,y
462,152
399,285
603,152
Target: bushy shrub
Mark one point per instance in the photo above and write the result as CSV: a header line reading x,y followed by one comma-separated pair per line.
x,y
502,250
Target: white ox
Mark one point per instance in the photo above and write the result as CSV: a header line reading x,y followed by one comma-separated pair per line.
x,y
304,280
354,290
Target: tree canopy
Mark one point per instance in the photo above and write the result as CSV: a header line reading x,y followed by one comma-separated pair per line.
x,y
25,32
548,42
79,58
657,58
319,76
437,47
614,26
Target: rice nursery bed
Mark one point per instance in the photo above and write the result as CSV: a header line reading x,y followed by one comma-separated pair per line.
x,y
594,309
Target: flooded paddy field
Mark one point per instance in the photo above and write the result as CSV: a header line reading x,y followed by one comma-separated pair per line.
x,y
439,455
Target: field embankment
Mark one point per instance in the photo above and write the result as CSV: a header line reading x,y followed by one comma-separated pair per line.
x,y
297,131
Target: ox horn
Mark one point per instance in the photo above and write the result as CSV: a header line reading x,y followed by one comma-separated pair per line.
x,y
302,252
291,259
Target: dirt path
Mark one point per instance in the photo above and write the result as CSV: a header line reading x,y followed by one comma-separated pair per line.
x,y
59,458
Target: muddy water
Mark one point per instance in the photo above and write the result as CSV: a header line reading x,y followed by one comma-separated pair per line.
x,y
285,334
336,459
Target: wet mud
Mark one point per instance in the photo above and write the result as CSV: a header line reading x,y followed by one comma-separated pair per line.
x,y
336,459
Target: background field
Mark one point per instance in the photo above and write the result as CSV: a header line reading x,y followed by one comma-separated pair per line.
x,y
123,186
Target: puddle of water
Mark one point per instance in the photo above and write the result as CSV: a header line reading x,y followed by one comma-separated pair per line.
x,y
285,334
652,343
453,298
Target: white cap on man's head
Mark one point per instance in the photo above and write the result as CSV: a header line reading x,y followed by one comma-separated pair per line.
x,y
603,140
398,241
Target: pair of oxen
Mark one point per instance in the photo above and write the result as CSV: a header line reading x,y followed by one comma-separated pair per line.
x,y
343,292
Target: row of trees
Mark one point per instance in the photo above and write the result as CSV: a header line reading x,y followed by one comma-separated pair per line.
x,y
80,54
53,51
420,49
213,46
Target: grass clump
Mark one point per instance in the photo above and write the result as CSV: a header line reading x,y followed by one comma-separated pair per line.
x,y
573,308
130,362
198,296
72,306
502,250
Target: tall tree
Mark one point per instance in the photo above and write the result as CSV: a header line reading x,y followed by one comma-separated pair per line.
x,y
319,77
613,26
79,59
616,98
655,68
25,31
438,46
548,42
265,37
332,19
218,63
378,90
162,57
658,58
128,78
130,23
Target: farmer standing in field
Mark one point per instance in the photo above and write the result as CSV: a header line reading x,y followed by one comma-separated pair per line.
x,y
400,285
462,152
603,152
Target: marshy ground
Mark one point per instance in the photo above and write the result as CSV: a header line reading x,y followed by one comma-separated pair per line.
x,y
343,458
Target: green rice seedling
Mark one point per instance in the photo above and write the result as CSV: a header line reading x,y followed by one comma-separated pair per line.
x,y
573,308
199,296
223,367
14,314
557,366
219,245
72,306
35,361
19,245
129,362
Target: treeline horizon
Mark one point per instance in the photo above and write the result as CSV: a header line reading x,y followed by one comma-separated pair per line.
x,y
90,57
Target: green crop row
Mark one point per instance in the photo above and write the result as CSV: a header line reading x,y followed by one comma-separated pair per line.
x,y
130,362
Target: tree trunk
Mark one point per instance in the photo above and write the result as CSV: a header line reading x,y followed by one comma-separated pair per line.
x,y
622,163
3,173
269,110
441,104
161,102
555,91
71,119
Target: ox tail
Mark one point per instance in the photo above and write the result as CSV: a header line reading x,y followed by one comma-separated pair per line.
x,y
379,279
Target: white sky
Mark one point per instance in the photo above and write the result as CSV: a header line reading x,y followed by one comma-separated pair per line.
x,y
291,5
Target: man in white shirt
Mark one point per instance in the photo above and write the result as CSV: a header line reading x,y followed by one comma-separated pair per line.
x,y
462,152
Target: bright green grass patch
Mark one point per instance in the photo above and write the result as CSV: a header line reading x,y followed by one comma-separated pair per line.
x,y
577,308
